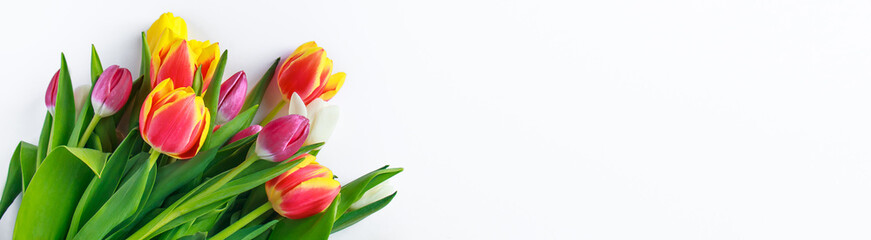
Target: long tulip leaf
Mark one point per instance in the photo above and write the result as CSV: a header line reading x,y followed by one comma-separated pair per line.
x,y
63,176
213,92
355,189
101,188
13,181
122,205
27,156
44,137
352,217
256,94
65,108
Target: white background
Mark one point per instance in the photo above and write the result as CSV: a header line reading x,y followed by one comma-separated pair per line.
x,y
540,119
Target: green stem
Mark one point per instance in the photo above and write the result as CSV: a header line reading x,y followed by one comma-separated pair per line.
x,y
91,125
242,222
274,112
178,209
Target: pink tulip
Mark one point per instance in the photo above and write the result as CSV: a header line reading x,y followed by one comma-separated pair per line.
x,y
232,97
51,93
282,137
174,121
111,91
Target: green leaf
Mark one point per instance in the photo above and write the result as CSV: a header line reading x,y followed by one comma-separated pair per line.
x,y
122,205
44,138
256,94
145,64
198,81
315,227
251,232
27,156
197,236
102,188
144,87
213,93
230,156
65,108
13,181
52,195
355,189
352,217
96,66
193,215
240,122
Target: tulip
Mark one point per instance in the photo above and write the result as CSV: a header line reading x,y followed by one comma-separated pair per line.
x,y
174,121
111,91
177,59
282,138
80,96
303,192
232,97
166,25
51,93
307,72
322,116
378,192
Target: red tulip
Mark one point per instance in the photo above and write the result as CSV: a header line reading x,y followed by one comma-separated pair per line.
x,y
303,191
174,121
307,72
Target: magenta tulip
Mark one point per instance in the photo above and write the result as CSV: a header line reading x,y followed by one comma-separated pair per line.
x,y
111,91
232,97
51,93
282,137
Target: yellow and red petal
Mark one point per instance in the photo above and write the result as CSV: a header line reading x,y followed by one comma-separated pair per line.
x,y
309,198
333,85
177,65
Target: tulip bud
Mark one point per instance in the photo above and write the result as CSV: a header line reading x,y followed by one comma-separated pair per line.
x,y
323,117
302,192
375,193
307,72
51,93
232,97
111,91
282,138
246,133
174,121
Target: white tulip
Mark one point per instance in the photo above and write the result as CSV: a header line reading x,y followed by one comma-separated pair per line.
x,y
297,106
323,118
80,94
376,193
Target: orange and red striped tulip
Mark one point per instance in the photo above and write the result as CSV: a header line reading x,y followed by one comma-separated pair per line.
x,y
306,72
303,191
174,121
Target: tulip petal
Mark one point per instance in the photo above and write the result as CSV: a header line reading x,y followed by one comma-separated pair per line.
x,y
324,118
333,85
177,66
297,106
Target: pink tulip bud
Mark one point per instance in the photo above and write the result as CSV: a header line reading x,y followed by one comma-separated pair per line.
x,y
282,137
51,93
232,97
111,91
246,133
302,192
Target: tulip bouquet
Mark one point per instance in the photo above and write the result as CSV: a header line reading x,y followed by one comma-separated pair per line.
x,y
175,154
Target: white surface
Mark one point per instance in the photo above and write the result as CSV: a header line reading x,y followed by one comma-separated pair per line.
x,y
541,119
